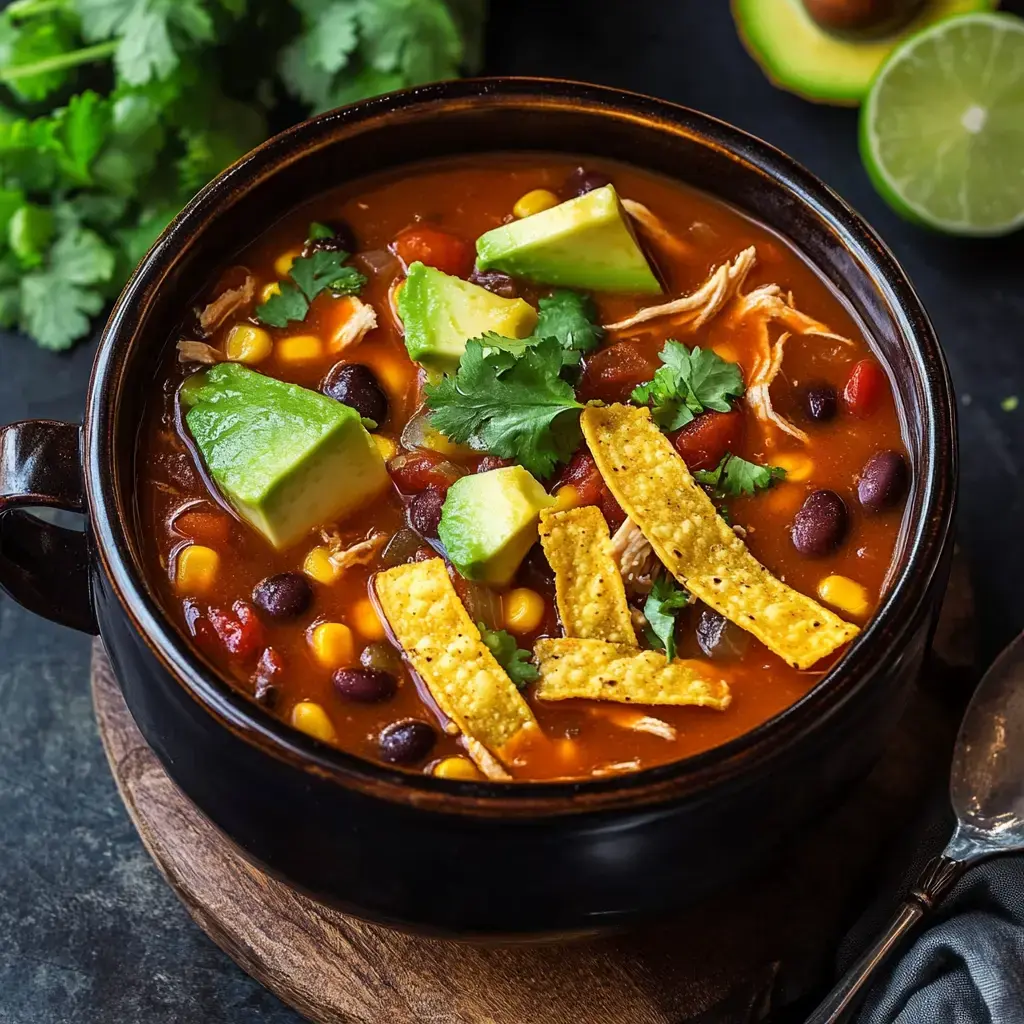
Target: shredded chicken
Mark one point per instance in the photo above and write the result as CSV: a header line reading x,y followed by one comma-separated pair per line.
x,y
229,301
768,306
361,320
617,768
655,726
635,558
700,306
628,718
485,760
191,351
343,557
655,228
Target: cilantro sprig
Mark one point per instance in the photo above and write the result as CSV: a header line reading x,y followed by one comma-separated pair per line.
x,y
665,601
571,318
307,278
114,113
734,477
689,382
512,404
509,655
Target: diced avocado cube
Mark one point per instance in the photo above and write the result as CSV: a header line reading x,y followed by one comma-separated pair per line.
x,y
489,523
441,313
287,459
586,242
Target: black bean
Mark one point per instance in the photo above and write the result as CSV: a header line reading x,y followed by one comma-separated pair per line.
x,y
407,742
365,685
497,282
356,386
821,402
883,481
382,657
581,181
342,240
285,595
821,524
718,638
423,512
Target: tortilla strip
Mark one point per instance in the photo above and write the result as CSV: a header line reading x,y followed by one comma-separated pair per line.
x,y
588,586
601,671
652,484
444,647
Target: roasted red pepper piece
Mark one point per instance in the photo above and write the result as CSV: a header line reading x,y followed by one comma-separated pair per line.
x,y
864,387
435,248
703,441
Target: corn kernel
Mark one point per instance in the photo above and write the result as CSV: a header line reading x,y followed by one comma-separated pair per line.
x,y
537,201
457,768
268,291
300,348
523,610
333,645
566,497
846,595
318,565
284,262
365,620
784,498
395,373
197,569
798,467
385,446
726,352
248,344
310,718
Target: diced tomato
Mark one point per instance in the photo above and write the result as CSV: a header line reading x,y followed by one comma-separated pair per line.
x,y
864,387
611,510
239,630
210,528
703,441
489,462
583,474
419,470
611,374
435,248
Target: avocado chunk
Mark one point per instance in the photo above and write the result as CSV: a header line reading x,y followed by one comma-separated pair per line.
x,y
800,55
286,458
586,242
441,313
489,522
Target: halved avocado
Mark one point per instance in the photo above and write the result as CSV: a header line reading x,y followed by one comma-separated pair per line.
x,y
797,54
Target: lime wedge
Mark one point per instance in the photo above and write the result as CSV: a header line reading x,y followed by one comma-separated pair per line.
x,y
942,129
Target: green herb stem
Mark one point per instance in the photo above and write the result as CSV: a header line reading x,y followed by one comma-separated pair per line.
x,y
60,62
21,9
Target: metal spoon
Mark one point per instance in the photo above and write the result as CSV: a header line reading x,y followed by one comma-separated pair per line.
x,y
986,787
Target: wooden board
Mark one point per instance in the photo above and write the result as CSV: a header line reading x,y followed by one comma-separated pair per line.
x,y
727,962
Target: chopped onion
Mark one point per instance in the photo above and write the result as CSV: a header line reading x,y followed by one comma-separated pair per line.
x,y
402,548
379,261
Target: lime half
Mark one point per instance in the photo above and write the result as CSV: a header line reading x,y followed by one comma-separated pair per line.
x,y
942,129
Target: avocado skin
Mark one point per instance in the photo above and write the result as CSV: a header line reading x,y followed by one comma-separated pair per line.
x,y
489,523
440,313
587,243
287,459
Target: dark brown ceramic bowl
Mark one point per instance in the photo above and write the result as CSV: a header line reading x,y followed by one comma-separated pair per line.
x,y
432,854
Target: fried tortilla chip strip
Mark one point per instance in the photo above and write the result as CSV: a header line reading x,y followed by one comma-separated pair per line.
x,y
652,484
439,638
588,586
601,671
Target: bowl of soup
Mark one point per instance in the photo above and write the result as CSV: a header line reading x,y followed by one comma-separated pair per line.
x,y
514,506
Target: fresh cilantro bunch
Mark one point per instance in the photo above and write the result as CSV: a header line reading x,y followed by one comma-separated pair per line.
x,y
665,601
113,113
690,382
734,477
509,655
512,397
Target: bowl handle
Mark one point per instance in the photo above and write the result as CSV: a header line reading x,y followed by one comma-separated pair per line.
x,y
44,567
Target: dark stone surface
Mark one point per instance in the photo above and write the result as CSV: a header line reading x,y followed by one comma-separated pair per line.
x,y
88,930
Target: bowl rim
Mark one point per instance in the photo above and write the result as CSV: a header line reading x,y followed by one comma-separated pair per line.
x,y
694,775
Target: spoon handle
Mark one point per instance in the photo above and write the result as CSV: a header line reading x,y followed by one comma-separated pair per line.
x,y
934,882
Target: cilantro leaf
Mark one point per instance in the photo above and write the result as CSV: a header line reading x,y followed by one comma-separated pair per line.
x,y
734,476
570,318
663,603
690,382
317,231
516,408
37,41
333,36
509,655
310,275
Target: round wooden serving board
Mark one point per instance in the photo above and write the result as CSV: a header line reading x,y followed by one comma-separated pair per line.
x,y
730,960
